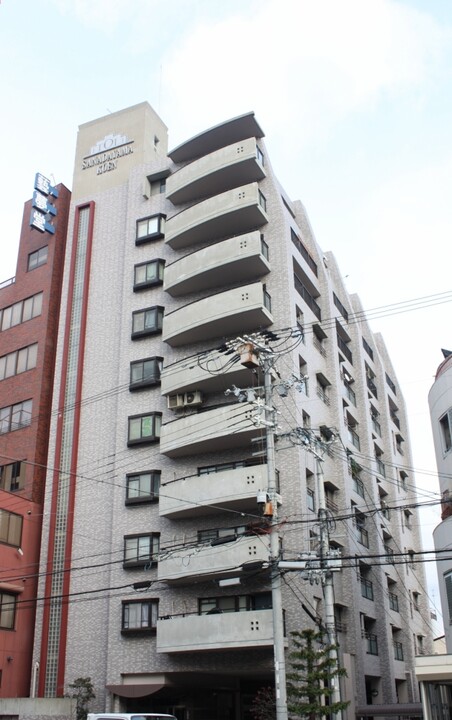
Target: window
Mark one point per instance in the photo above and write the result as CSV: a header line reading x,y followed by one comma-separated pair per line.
x,y
220,533
146,372
21,311
310,499
340,307
12,476
150,228
262,201
303,251
370,377
393,601
15,416
37,258
10,528
367,588
147,322
18,361
260,155
322,388
148,274
144,428
308,297
234,465
141,550
415,597
445,424
142,487
234,603
157,187
391,384
448,584
7,610
398,650
139,615
368,349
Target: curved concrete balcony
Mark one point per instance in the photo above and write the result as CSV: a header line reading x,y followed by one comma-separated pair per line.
x,y
221,428
234,489
210,562
224,631
211,174
209,372
227,313
231,213
226,133
239,259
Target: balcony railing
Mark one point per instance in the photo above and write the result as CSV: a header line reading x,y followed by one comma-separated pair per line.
x,y
218,631
5,283
318,346
307,297
372,387
398,650
354,438
350,394
395,419
362,536
344,348
389,554
367,588
376,426
321,393
371,642
380,467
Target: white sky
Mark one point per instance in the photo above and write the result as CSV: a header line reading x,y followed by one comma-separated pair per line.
x,y
355,99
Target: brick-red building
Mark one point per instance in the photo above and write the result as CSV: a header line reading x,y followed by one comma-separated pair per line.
x,y
29,310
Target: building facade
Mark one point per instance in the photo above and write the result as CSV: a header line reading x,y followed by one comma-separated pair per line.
x,y
155,567
29,313
440,403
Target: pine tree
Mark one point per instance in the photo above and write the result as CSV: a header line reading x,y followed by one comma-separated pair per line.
x,y
82,691
309,688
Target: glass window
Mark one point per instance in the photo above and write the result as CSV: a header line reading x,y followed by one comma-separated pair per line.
x,y
147,322
7,610
151,228
10,528
139,615
18,361
144,428
148,274
37,258
145,372
12,476
142,487
140,550
446,434
15,417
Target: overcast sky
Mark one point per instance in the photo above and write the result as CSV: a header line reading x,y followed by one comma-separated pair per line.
x,y
354,97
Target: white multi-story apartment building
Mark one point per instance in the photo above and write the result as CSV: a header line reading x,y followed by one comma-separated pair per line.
x,y
440,402
171,257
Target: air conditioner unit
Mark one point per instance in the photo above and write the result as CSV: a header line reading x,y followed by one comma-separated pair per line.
x,y
175,401
193,398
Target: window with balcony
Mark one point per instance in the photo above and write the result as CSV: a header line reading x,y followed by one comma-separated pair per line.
x,y
147,322
15,417
144,428
37,258
368,349
18,361
398,650
10,528
302,249
340,307
7,610
367,586
141,550
391,384
21,311
445,424
145,373
148,274
322,388
301,286
218,534
318,339
142,487
12,476
370,380
139,616
150,228
234,603
393,601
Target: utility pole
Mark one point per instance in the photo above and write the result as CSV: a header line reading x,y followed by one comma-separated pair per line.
x,y
247,347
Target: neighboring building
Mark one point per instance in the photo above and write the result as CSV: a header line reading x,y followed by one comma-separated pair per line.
x,y
29,312
440,403
152,466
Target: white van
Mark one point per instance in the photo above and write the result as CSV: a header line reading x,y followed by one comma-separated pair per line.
x,y
130,716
